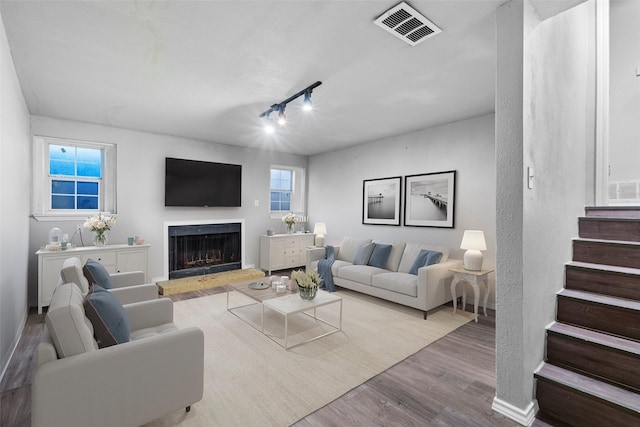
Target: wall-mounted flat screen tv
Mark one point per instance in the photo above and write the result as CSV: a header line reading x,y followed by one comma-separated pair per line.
x,y
198,183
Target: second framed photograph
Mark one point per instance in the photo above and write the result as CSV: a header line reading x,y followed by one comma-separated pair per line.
x,y
429,199
381,201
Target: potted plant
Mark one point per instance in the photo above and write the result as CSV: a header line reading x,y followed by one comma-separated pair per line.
x,y
308,283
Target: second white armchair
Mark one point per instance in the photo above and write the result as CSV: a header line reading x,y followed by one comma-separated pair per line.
x,y
128,287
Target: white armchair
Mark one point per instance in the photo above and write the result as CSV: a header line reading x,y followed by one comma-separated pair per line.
x,y
77,384
128,287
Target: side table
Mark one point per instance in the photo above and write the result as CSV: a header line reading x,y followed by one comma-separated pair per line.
x,y
474,278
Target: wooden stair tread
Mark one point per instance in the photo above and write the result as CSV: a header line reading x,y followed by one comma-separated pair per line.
x,y
600,299
613,211
604,268
590,386
608,242
606,219
596,337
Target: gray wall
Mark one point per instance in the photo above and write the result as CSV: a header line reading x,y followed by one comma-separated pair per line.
x,y
140,192
556,128
15,188
336,183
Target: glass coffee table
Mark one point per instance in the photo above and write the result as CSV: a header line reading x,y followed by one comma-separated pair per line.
x,y
289,305
255,297
286,304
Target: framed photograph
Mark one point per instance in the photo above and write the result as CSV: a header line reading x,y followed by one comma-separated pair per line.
x,y
381,201
429,199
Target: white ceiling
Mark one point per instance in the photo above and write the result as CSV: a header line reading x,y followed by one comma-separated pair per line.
x,y
207,69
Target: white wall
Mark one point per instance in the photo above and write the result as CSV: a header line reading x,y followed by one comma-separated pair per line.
x,y
557,127
140,192
467,146
509,206
15,185
624,95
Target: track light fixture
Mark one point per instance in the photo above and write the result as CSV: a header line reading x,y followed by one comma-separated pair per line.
x,y
280,107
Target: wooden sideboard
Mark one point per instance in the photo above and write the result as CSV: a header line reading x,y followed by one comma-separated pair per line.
x,y
115,258
284,251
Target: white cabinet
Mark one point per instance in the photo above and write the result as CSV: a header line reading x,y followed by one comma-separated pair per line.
x,y
115,258
132,260
284,251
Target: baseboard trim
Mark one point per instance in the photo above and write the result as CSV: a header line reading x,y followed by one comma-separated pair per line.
x,y
14,346
524,417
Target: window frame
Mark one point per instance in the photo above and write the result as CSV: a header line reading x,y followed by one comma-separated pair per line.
x,y
42,210
298,191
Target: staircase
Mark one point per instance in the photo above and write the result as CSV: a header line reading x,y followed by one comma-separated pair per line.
x,y
591,372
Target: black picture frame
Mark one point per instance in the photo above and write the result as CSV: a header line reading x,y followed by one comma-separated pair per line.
x,y
429,199
381,201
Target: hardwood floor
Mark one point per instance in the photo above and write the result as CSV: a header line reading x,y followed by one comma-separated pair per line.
x,y
448,383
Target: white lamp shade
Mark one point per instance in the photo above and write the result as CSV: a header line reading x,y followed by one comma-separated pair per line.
x,y
320,230
473,241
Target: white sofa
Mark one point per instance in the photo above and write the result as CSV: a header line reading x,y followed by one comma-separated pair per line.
x,y
428,289
158,371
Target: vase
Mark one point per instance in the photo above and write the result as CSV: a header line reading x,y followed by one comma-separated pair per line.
x,y
289,228
307,293
100,239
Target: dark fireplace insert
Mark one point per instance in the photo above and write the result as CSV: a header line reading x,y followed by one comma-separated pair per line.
x,y
204,249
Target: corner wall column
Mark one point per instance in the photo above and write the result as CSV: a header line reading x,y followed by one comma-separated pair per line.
x,y
513,395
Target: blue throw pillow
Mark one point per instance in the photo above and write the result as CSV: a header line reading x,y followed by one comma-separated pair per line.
x,y
97,274
379,255
109,319
363,254
425,258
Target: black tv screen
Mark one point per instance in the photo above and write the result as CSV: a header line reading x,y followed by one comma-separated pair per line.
x,y
197,183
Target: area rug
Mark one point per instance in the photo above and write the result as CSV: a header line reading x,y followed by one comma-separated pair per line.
x,y
251,380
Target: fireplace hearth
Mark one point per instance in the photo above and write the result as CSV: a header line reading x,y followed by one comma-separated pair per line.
x,y
204,249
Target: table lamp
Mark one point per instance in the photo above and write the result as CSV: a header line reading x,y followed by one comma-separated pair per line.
x,y
473,241
320,230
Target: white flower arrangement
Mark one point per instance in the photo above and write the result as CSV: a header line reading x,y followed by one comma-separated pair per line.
x,y
290,219
309,279
100,224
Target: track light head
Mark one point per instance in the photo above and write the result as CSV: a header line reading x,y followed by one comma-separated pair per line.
x,y
268,123
282,119
306,104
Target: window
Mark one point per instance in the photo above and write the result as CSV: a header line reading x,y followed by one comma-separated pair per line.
x,y
281,188
75,175
287,190
73,178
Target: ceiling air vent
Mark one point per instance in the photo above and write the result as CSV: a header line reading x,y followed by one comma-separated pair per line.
x,y
406,23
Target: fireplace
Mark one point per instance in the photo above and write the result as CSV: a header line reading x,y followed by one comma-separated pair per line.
x,y
198,249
